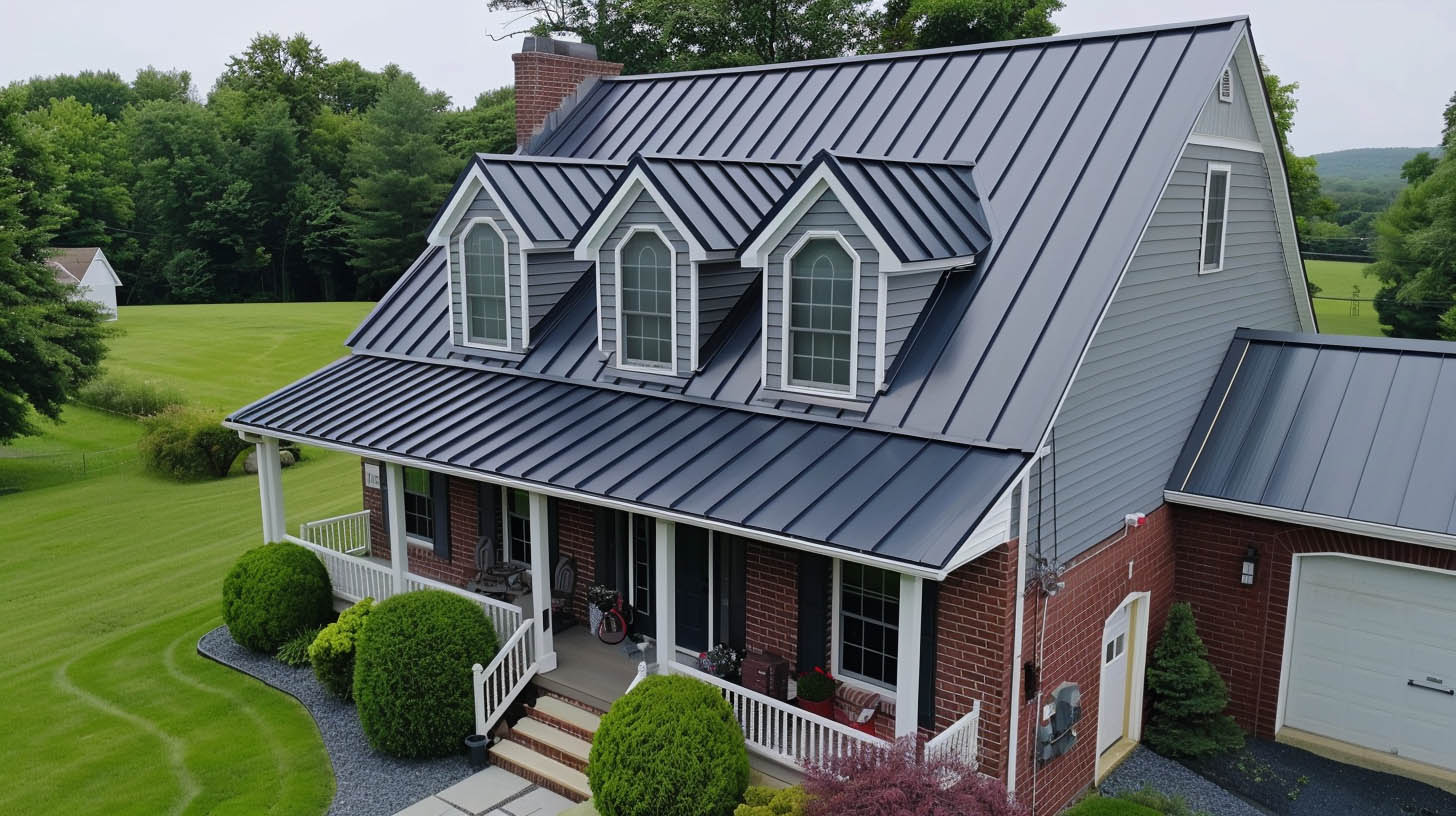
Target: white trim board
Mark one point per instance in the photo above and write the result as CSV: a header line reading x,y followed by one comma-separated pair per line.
x,y
464,338
620,358
1229,142
1228,189
1444,541
786,271
475,183
596,233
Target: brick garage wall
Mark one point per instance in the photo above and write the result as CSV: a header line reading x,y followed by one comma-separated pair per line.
x,y
544,81
1243,627
576,536
771,613
1096,583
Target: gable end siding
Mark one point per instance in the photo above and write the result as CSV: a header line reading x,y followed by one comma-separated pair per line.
x,y
1233,119
720,287
644,211
1154,358
905,297
484,207
549,276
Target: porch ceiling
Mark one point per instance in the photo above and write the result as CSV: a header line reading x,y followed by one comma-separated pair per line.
x,y
864,490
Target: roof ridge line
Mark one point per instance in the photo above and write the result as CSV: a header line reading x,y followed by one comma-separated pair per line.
x,y
1349,341
715,159
539,158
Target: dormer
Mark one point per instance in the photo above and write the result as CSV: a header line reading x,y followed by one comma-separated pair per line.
x,y
851,254
665,245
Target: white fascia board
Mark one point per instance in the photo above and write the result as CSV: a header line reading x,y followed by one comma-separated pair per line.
x,y
636,183
822,180
600,501
1371,529
475,184
1229,142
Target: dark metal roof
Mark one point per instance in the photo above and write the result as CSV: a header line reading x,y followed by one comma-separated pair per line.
x,y
857,489
1350,427
720,200
549,196
413,318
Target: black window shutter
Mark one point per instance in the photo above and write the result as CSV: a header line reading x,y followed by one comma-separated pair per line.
x,y
927,654
384,496
440,495
553,542
815,576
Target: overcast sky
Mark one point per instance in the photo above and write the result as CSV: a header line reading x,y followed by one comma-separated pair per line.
x,y
1370,74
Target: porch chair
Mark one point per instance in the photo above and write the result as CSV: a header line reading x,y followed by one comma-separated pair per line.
x,y
484,581
563,586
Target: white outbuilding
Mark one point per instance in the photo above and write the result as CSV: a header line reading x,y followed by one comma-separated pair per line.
x,y
87,269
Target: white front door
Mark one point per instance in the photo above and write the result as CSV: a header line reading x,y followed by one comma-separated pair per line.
x,y
1112,699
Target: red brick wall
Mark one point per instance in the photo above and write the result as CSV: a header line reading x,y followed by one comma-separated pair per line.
x,y
544,81
422,561
576,536
771,612
1243,627
1097,582
374,503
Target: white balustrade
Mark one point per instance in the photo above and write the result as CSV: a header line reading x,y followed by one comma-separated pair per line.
x,y
505,617
782,731
496,685
354,578
348,533
961,740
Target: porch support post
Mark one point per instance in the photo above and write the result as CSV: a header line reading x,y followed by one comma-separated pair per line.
x,y
270,489
907,676
664,594
541,569
394,512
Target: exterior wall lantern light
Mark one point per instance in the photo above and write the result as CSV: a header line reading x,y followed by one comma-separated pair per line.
x,y
1246,576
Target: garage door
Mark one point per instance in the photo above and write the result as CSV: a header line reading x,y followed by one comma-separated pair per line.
x,y
1373,657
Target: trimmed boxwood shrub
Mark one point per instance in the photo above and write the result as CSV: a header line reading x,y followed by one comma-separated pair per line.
x,y
185,444
332,652
759,800
274,592
669,747
412,672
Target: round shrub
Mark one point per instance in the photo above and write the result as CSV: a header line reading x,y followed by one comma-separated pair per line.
x,y
188,443
332,652
670,747
274,592
412,672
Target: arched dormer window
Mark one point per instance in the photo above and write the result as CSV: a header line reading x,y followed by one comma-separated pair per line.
x,y
646,293
820,324
483,256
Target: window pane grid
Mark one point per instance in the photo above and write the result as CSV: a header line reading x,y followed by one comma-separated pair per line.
x,y
646,301
1214,217
869,623
518,524
419,504
820,310
484,257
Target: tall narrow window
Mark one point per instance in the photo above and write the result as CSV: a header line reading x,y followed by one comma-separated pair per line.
x,y
646,302
869,623
419,504
483,254
1215,212
821,297
518,525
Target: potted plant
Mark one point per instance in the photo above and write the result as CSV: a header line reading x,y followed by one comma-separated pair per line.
x,y
721,661
815,692
599,598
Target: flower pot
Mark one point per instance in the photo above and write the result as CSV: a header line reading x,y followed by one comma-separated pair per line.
x,y
594,617
477,745
824,708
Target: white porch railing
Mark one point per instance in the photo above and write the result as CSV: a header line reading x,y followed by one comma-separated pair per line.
x,y
348,533
506,617
354,577
496,685
961,740
782,731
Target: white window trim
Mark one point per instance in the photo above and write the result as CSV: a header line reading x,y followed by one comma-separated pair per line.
x,y
1228,191
464,315
621,347
785,270
836,644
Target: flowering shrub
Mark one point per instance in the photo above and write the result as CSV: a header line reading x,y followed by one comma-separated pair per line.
x,y
816,686
894,782
601,596
721,661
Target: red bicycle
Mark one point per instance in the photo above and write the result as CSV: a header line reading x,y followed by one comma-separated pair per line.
x,y
613,628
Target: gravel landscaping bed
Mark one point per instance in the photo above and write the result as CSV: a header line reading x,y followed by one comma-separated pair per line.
x,y
1143,768
368,783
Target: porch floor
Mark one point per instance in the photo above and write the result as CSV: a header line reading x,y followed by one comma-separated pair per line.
x,y
589,670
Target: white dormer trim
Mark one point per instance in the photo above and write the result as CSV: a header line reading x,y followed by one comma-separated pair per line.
x,y
464,338
785,271
596,233
475,183
621,354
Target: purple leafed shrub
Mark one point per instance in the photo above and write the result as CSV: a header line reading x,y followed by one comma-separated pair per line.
x,y
893,782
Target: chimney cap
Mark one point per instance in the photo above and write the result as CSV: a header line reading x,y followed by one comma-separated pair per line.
x,y
539,44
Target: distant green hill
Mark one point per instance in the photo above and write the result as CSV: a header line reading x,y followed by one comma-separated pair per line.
x,y
1368,163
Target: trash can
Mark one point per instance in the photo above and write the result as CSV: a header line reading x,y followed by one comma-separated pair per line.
x,y
476,745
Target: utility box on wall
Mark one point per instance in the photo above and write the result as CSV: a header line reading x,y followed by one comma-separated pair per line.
x,y
767,674
1058,735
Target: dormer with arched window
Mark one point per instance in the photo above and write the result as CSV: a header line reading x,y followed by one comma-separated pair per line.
x,y
484,267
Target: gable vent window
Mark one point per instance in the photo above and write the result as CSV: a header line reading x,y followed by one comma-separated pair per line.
x,y
1226,86
821,296
1215,212
483,252
646,301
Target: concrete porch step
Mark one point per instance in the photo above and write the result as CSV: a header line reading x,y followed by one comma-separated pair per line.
x,y
572,719
552,742
544,771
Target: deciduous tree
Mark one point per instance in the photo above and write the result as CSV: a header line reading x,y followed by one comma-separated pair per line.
x,y
906,24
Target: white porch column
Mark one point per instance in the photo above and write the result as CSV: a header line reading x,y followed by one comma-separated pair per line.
x,y
270,489
541,569
394,513
907,676
664,594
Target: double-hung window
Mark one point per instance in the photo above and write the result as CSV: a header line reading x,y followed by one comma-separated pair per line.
x,y
646,307
518,525
419,504
483,254
1215,215
869,623
821,310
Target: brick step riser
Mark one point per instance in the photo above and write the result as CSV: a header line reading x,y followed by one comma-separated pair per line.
x,y
534,777
590,709
559,725
548,751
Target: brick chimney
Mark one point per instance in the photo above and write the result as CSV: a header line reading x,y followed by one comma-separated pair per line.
x,y
548,72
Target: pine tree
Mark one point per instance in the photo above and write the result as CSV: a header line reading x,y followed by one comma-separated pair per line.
x,y
1189,697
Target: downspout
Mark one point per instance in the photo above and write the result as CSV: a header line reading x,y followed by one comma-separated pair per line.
x,y
1014,749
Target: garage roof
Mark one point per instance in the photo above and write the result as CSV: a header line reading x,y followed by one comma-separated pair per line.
x,y
1354,428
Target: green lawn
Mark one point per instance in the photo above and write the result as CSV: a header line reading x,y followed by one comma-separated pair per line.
x,y
1338,279
106,583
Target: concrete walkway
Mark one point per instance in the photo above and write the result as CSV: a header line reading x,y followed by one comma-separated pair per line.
x,y
491,792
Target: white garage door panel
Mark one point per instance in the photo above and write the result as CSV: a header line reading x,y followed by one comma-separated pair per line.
x,y
1362,629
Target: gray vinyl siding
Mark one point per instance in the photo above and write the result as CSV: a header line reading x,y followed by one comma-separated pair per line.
x,y
548,276
720,286
826,214
1233,119
905,297
646,212
1150,365
484,207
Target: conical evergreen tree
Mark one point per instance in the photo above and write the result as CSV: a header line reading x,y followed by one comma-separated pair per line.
x,y
1188,696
